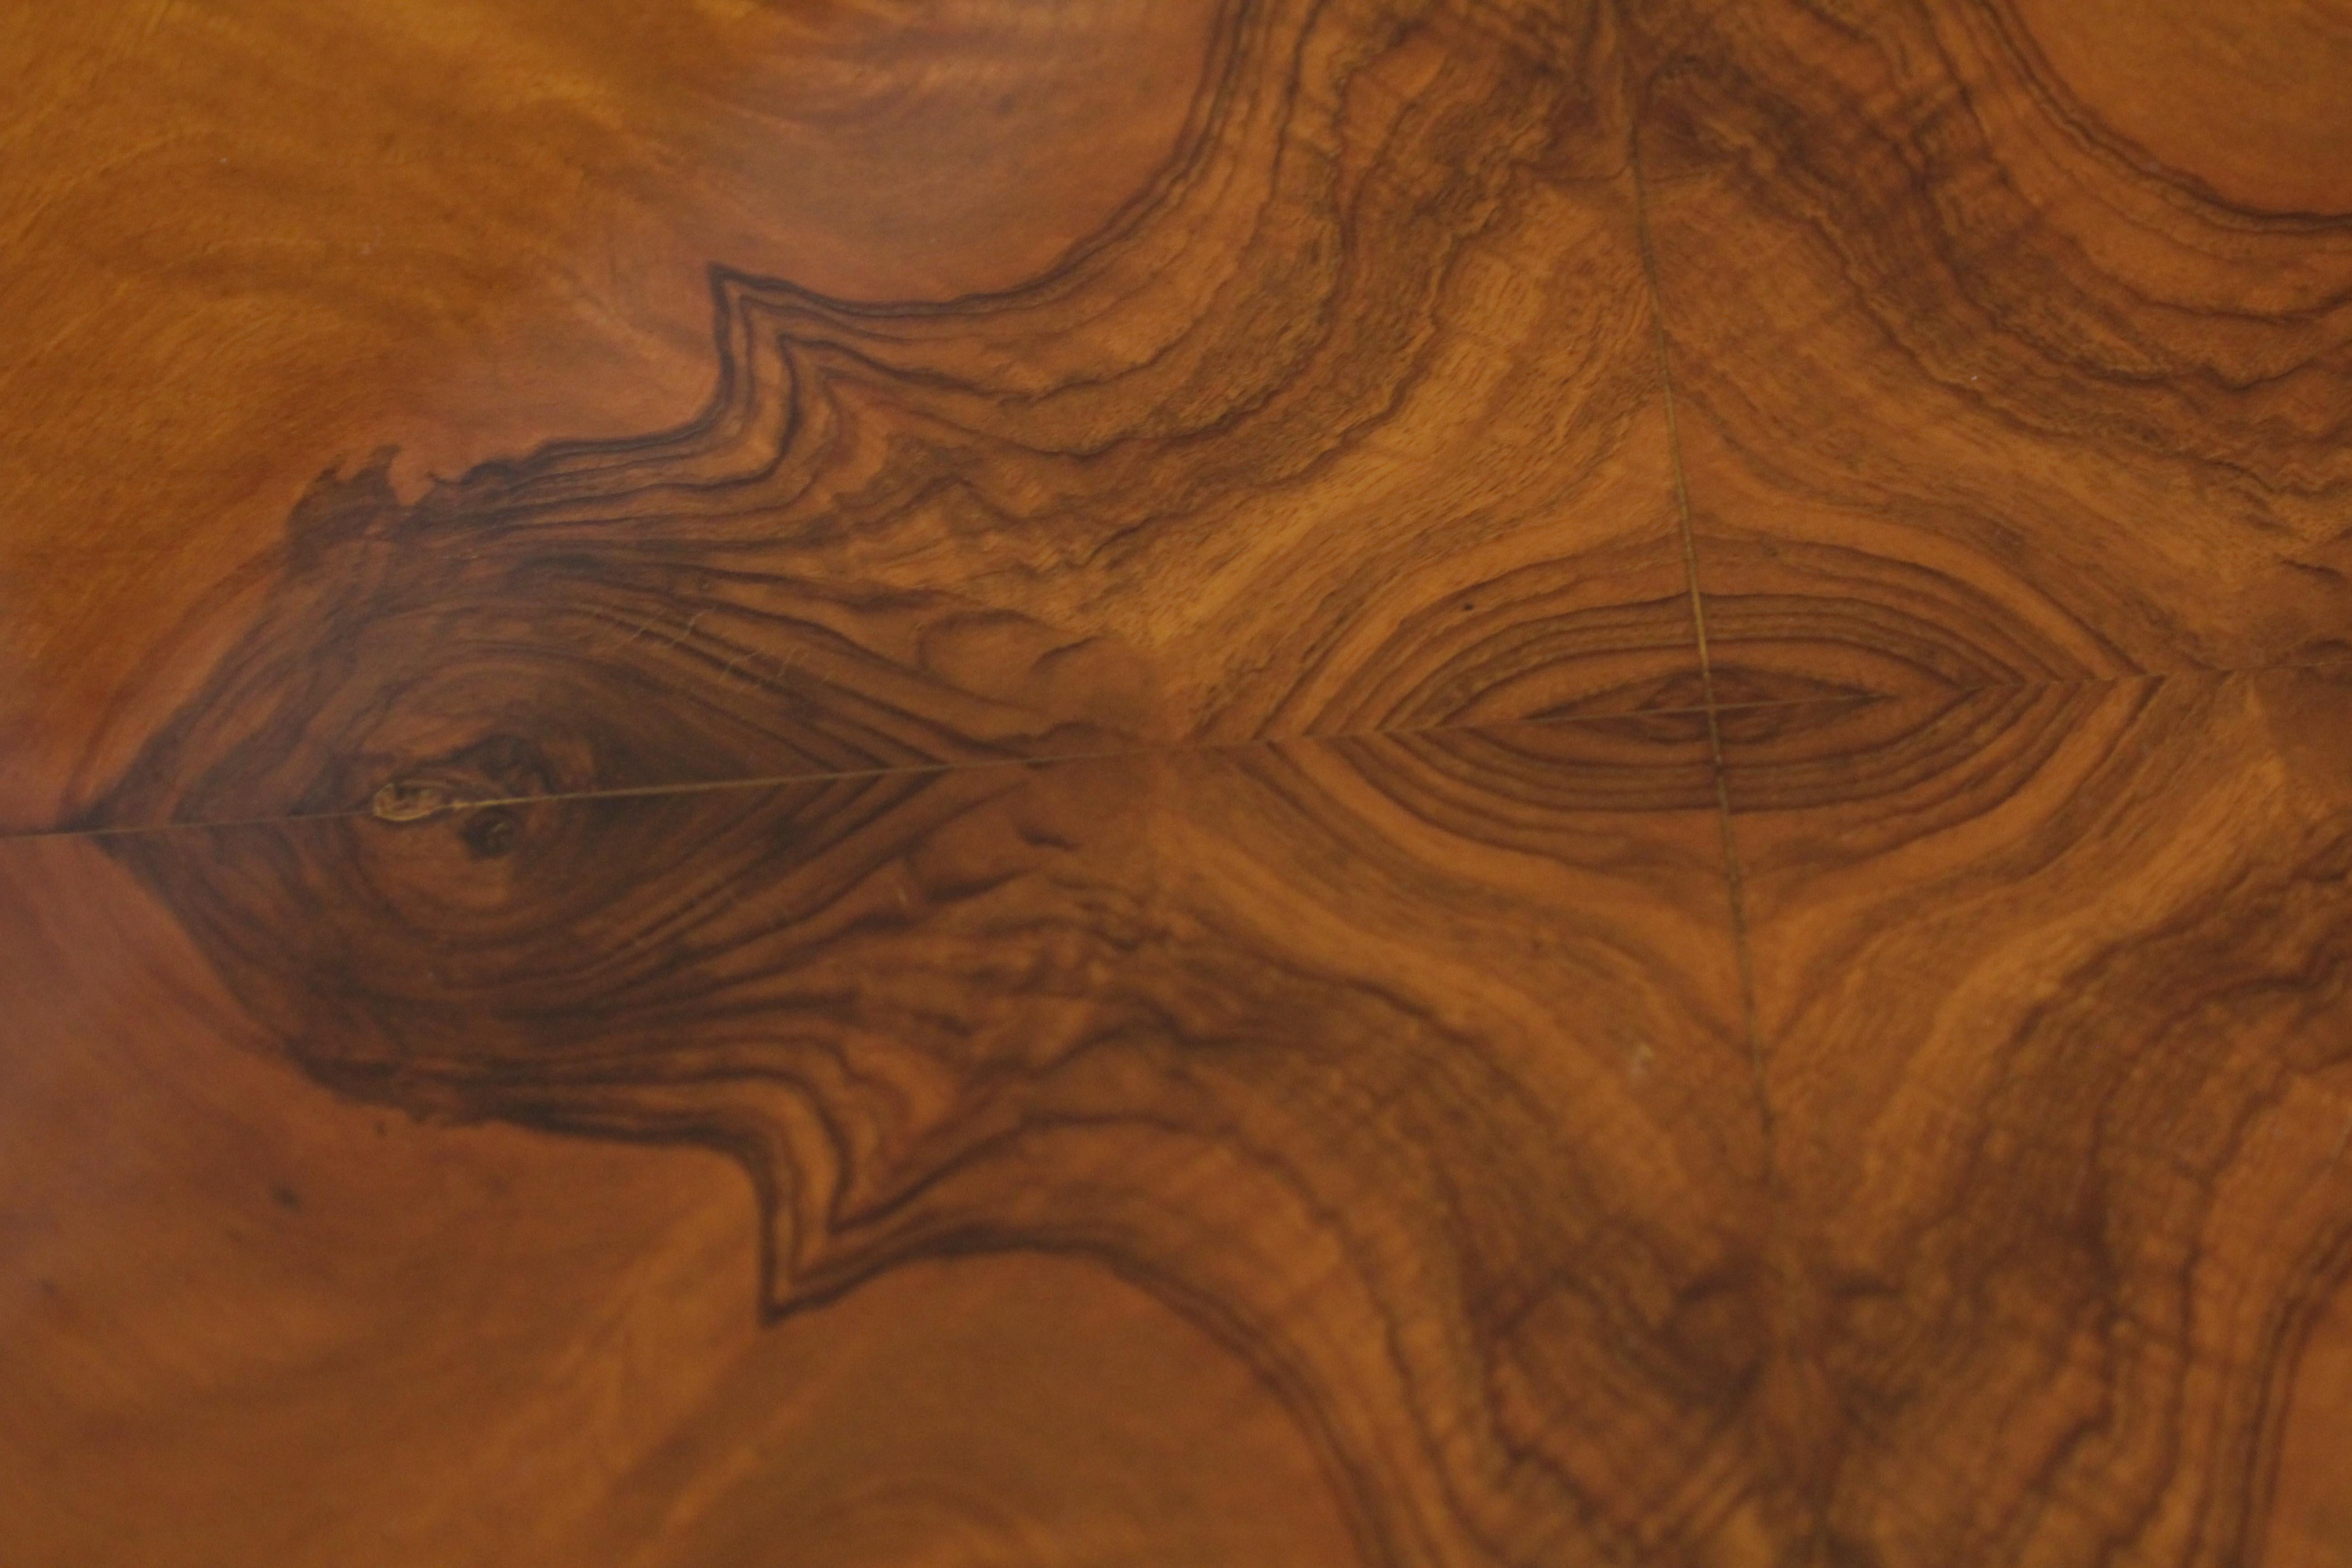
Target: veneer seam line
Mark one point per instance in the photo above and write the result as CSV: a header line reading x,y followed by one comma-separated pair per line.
x,y
1736,891
772,781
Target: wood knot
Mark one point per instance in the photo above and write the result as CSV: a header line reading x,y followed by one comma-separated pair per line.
x,y
409,800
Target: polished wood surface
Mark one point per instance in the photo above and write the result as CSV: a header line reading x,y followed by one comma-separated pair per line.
x,y
1421,783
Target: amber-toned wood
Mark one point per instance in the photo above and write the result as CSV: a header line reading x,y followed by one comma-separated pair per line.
x,y
1971,389
1433,1178
250,242
1422,783
2055,988
2023,365
1174,486
251,1322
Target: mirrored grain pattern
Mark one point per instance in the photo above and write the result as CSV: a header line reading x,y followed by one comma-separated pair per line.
x,y
251,244
1184,482
1391,781
247,1321
1405,1068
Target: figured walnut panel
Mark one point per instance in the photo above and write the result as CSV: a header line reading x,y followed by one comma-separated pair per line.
x,y
1952,356
1407,1068
1422,783
245,244
2054,989
1177,486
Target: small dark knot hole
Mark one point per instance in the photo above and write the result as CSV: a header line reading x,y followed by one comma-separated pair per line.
x,y
491,833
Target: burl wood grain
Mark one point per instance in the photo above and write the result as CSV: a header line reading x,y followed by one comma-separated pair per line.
x,y
1422,783
1974,366
2057,1051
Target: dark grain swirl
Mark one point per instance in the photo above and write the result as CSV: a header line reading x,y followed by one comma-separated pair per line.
x,y
1657,965
1180,486
2059,1048
1408,1066
1925,310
